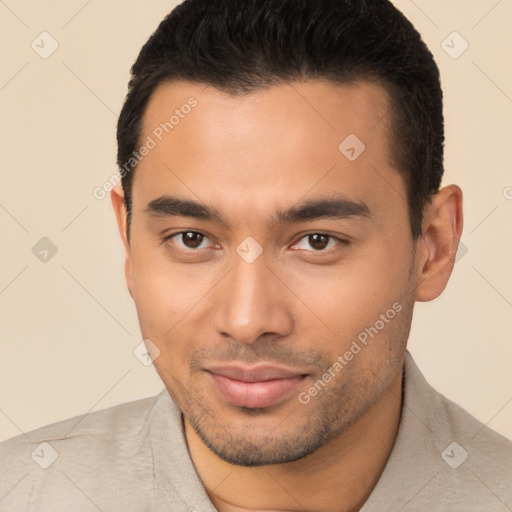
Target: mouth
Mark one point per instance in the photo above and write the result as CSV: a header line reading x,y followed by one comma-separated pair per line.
x,y
257,387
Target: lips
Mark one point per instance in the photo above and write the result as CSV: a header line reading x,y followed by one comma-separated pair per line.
x,y
254,387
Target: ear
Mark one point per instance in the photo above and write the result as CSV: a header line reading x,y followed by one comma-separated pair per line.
x,y
437,248
119,205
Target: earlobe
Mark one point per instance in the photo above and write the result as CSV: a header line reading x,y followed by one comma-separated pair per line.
x,y
442,229
119,206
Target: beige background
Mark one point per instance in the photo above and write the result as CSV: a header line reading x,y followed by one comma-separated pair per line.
x,y
68,326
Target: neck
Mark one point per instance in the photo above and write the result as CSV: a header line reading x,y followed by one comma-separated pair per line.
x,y
343,471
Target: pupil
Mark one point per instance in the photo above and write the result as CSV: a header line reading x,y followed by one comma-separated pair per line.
x,y
318,241
192,240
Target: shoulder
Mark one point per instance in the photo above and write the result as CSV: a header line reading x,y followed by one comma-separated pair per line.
x,y
478,459
109,445
472,462
447,419
443,458
99,428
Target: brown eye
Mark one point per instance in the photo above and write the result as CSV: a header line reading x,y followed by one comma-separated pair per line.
x,y
318,241
191,239
187,239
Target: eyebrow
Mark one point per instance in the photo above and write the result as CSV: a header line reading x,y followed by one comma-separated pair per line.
x,y
334,207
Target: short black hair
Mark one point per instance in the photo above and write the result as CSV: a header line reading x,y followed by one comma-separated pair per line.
x,y
242,46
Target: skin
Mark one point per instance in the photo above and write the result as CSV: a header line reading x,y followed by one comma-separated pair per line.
x,y
297,305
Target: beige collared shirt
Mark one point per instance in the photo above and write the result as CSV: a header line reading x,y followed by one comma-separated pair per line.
x,y
134,458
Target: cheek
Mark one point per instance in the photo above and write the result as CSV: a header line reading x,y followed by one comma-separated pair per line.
x,y
158,292
343,299
169,299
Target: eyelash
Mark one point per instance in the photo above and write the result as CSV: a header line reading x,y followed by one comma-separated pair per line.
x,y
340,241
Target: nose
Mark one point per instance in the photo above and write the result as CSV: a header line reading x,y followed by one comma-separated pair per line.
x,y
252,302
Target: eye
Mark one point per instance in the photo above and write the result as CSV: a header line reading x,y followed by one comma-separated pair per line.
x,y
188,240
319,242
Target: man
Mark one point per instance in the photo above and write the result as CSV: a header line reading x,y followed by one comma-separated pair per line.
x,y
281,212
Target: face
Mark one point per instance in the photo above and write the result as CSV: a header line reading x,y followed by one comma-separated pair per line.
x,y
271,262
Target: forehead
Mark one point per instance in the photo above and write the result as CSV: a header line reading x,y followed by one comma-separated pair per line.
x,y
311,109
270,147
